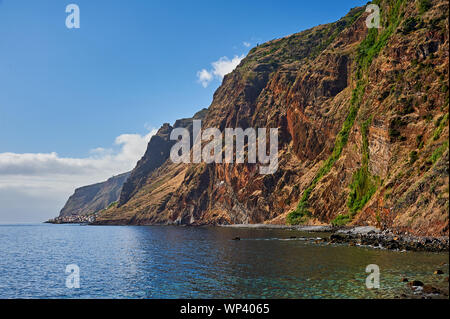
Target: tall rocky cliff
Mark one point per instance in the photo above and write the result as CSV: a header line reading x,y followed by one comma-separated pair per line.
x,y
363,132
158,151
93,198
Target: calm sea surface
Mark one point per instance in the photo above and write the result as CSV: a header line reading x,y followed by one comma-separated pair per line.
x,y
197,262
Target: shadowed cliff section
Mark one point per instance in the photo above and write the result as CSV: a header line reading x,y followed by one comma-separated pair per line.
x,y
93,198
363,132
158,151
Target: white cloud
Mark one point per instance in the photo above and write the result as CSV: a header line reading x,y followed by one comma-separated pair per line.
x,y
204,77
100,151
224,65
220,68
103,161
246,44
42,182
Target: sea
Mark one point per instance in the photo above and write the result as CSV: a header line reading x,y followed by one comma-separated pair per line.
x,y
79,261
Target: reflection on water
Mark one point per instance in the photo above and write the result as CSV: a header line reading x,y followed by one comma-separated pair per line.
x,y
200,262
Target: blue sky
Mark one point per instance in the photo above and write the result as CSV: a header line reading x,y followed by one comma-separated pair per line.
x,y
132,66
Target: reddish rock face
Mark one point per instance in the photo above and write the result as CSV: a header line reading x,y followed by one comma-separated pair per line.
x,y
303,85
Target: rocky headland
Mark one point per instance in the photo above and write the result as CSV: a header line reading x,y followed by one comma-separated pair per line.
x,y
363,127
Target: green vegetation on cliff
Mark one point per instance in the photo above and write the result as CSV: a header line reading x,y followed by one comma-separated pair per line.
x,y
363,184
362,187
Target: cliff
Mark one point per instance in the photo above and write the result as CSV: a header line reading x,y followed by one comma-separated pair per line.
x,y
363,132
158,151
93,198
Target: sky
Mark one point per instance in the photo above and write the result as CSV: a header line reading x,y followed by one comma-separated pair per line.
x,y
80,105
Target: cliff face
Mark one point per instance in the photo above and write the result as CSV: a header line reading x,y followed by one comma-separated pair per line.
x,y
158,151
363,132
93,198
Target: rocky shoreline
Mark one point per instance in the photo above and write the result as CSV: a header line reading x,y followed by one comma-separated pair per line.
x,y
370,236
366,236
72,219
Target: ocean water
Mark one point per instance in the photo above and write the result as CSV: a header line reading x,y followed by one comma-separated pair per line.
x,y
197,262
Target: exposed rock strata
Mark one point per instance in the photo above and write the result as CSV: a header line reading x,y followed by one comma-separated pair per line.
x,y
303,84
